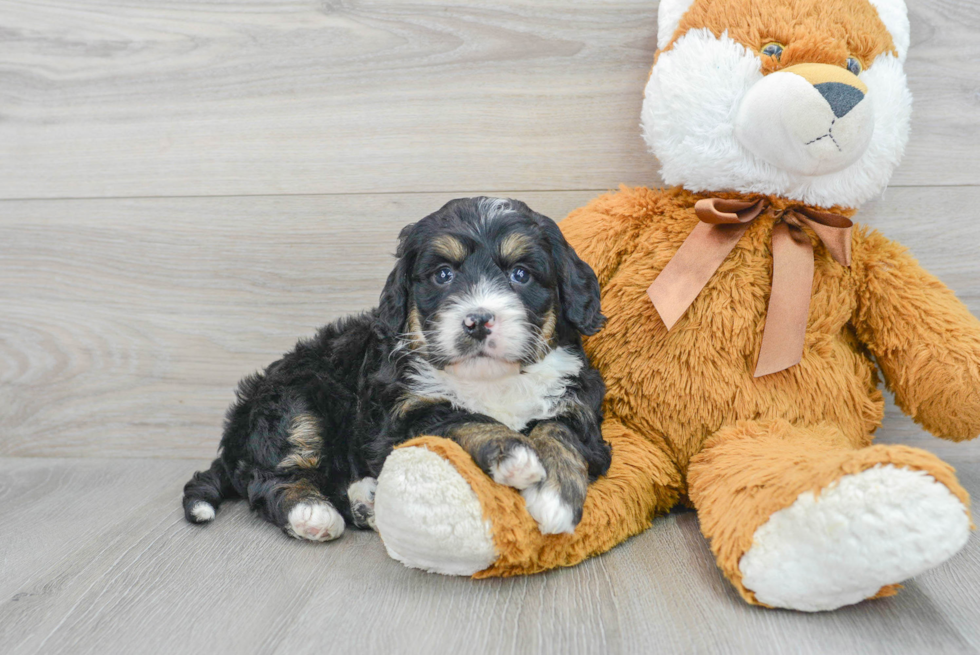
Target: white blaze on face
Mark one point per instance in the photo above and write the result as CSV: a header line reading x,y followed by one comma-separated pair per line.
x,y
510,337
492,208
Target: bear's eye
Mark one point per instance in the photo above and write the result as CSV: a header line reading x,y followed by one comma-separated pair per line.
x,y
773,50
854,65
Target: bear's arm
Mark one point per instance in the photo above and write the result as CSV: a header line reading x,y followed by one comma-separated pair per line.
x,y
603,231
925,340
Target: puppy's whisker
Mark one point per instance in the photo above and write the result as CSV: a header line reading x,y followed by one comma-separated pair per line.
x,y
402,347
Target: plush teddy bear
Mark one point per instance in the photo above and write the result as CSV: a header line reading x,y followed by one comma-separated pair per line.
x,y
748,322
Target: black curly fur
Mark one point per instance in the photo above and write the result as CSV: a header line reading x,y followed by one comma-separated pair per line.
x,y
351,376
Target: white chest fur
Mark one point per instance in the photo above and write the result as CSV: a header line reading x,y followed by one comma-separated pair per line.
x,y
514,398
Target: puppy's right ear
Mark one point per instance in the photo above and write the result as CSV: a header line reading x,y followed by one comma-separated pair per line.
x,y
393,306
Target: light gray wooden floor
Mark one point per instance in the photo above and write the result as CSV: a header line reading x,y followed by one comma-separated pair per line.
x,y
187,187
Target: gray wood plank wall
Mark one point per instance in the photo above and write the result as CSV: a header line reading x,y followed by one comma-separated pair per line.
x,y
102,98
127,320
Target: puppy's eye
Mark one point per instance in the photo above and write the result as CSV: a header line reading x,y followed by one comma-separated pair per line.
x,y
773,50
444,275
520,275
854,65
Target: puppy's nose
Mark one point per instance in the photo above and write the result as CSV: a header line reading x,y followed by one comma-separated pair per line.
x,y
478,325
841,97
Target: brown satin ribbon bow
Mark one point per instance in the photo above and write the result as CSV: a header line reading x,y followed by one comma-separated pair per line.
x,y
722,224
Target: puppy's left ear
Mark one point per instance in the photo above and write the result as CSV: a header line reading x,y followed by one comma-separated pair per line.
x,y
578,286
393,306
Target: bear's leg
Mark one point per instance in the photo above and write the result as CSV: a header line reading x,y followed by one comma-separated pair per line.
x,y
799,518
436,510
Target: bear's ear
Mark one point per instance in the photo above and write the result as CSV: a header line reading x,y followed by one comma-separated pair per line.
x,y
895,15
669,16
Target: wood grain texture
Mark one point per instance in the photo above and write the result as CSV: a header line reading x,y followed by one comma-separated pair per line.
x,y
103,99
127,323
120,571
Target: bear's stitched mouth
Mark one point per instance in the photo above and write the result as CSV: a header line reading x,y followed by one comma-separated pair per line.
x,y
828,135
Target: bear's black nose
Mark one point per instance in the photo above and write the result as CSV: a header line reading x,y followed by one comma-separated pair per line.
x,y
478,325
842,97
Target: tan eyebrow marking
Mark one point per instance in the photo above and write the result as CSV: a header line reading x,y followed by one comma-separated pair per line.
x,y
514,246
449,247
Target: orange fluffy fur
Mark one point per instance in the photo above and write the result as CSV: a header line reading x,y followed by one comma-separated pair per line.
x,y
685,416
813,31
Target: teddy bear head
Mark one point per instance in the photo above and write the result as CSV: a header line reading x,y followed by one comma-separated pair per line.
x,y
804,99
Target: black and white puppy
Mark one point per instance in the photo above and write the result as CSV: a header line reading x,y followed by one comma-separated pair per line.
x,y
476,338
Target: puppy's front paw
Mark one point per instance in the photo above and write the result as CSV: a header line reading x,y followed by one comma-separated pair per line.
x,y
519,468
316,521
553,514
361,497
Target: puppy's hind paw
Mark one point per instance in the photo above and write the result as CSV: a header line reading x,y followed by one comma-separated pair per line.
x,y
315,521
552,513
200,511
519,468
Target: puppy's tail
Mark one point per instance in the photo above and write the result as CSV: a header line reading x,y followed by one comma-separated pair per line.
x,y
205,491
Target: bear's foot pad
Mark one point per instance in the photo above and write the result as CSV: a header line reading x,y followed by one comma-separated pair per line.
x,y
429,517
865,532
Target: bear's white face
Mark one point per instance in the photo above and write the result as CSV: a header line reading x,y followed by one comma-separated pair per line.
x,y
813,132
806,120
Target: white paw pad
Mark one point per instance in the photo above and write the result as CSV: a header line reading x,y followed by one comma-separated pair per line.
x,y
519,469
870,529
553,515
316,521
361,497
202,511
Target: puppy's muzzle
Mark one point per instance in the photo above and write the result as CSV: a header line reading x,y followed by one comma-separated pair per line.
x,y
478,325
